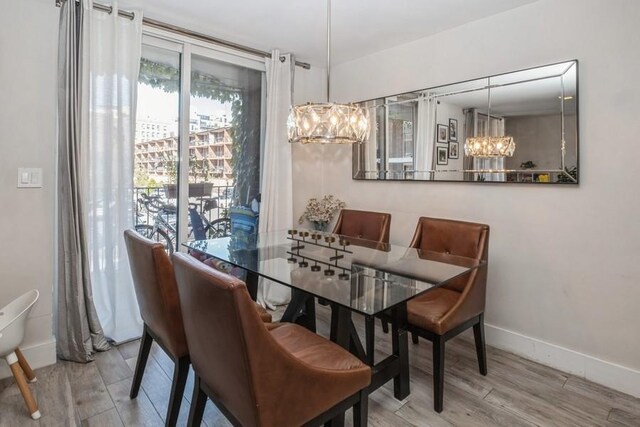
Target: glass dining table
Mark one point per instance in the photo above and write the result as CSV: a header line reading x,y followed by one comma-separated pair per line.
x,y
351,276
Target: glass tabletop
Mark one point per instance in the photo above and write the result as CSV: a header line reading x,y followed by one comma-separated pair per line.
x,y
367,277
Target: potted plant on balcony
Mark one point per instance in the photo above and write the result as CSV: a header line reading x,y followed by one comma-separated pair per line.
x,y
198,169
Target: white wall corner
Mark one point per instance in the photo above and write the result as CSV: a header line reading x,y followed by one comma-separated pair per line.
x,y
617,377
38,356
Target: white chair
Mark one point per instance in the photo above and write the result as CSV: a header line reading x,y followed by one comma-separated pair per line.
x,y
13,319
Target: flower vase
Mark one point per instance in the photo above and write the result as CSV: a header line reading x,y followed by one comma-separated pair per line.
x,y
320,225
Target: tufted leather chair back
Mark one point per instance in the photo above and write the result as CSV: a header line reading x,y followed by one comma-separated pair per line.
x,y
466,239
218,310
156,291
365,225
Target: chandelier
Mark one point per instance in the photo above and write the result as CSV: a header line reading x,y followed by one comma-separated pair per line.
x,y
328,123
490,146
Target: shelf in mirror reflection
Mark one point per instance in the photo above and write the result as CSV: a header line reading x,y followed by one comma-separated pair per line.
x,y
472,175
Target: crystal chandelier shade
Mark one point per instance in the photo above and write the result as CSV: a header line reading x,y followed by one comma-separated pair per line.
x,y
328,124
490,146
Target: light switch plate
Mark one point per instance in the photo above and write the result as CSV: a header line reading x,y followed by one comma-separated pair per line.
x,y
29,177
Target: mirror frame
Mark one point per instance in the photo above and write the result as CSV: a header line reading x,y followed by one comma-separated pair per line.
x,y
571,180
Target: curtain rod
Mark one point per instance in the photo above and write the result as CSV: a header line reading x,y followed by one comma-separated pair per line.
x,y
189,33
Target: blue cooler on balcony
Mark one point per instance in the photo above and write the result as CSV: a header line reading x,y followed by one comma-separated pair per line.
x,y
243,220
244,233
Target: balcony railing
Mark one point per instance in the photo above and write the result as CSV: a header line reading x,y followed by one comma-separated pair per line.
x,y
218,202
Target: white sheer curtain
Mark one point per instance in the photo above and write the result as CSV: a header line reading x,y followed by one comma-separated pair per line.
x,y
276,207
115,44
425,135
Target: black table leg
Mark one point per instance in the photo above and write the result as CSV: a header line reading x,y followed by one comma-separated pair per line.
x,y
338,421
341,325
395,366
355,343
301,310
400,344
310,313
252,284
342,328
293,308
333,328
344,333
370,327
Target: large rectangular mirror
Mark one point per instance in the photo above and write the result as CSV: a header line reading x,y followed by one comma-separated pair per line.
x,y
514,127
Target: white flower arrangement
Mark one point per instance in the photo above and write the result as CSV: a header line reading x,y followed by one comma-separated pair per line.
x,y
321,211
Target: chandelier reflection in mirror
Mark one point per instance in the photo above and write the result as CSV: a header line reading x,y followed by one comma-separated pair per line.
x,y
328,123
490,146
486,147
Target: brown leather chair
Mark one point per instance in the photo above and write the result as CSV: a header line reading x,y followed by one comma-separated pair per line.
x,y
364,225
440,314
157,294
276,376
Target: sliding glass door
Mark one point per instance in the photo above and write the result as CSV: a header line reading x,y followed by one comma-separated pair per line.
x,y
224,143
198,139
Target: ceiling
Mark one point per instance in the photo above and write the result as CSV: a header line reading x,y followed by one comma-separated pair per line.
x,y
360,27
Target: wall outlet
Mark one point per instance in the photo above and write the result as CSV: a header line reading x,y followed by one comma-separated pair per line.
x,y
29,177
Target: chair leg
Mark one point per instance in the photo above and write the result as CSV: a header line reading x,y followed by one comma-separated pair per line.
x,y
438,373
414,337
32,406
361,411
385,326
198,402
180,373
481,350
143,355
28,372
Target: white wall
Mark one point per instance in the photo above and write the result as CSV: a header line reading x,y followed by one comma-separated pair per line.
x,y
28,57
564,276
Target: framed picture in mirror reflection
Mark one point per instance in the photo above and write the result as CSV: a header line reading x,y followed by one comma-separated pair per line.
x,y
443,156
453,150
443,134
453,130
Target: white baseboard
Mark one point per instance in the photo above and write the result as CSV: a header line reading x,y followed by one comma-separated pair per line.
x,y
617,377
38,356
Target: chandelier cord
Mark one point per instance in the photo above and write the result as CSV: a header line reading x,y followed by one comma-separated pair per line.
x,y
328,122
328,50
488,133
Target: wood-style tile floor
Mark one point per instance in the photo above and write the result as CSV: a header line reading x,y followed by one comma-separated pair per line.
x,y
516,392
